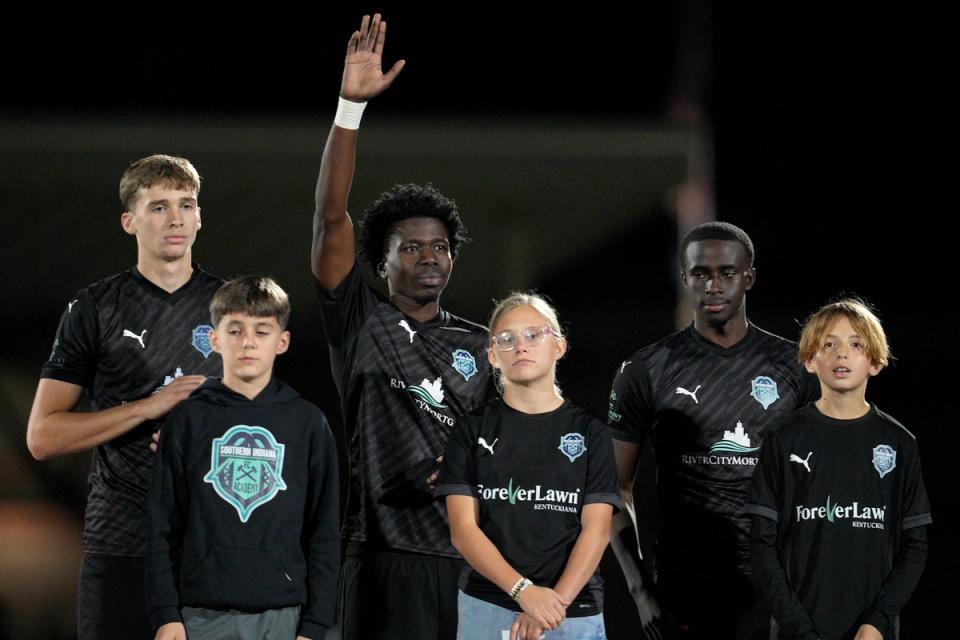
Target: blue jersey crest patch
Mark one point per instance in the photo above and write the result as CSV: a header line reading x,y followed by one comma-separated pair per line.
x,y
201,339
571,445
246,467
884,459
764,390
464,364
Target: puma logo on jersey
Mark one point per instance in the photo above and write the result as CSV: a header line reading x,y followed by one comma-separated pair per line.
x,y
139,338
692,394
70,306
624,365
795,458
403,323
489,447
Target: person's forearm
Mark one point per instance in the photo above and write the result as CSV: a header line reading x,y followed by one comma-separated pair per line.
x,y
484,557
771,582
336,175
64,432
625,545
584,558
901,582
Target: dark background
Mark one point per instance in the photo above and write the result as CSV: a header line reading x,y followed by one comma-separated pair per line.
x,y
577,144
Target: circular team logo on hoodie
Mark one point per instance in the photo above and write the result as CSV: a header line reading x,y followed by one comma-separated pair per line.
x,y
245,468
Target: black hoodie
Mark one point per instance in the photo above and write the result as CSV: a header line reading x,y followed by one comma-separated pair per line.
x,y
244,509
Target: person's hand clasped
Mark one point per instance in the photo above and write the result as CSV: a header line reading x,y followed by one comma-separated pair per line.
x,y
526,628
544,606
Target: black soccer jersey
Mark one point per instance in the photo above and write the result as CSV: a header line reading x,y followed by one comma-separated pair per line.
x,y
706,408
123,339
841,492
402,385
532,474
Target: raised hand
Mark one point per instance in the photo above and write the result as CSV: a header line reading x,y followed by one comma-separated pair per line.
x,y
363,76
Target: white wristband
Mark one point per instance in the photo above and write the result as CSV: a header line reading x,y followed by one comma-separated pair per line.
x,y
518,588
349,114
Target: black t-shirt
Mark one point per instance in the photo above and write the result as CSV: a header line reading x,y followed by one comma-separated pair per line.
x,y
532,474
123,339
841,493
402,385
706,408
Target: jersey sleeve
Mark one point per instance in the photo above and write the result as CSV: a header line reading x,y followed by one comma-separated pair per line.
x,y
602,470
916,505
631,413
345,308
766,492
458,472
73,358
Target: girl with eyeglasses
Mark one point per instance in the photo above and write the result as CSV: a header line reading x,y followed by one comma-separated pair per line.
x,y
530,487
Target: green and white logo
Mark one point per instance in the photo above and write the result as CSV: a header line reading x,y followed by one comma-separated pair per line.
x,y
736,441
542,499
860,517
429,392
246,466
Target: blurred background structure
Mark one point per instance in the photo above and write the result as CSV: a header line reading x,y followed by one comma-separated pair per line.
x,y
579,146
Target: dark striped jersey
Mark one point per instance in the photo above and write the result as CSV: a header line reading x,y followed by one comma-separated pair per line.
x,y
123,339
402,385
706,408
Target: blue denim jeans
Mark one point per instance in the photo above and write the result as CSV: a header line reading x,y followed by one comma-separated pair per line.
x,y
481,620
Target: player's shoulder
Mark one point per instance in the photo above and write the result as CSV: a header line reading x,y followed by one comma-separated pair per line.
x,y
579,414
894,426
451,320
456,326
773,342
206,279
655,354
106,286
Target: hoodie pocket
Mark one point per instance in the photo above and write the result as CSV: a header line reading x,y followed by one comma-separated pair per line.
x,y
234,578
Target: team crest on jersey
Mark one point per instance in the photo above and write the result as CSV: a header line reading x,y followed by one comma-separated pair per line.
x,y
764,391
464,363
201,339
246,467
571,445
884,459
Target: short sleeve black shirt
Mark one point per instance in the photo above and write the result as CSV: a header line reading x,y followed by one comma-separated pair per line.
x,y
402,385
706,408
532,474
123,339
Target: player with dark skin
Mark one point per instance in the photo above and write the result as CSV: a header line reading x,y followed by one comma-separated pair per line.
x,y
417,260
716,276
410,237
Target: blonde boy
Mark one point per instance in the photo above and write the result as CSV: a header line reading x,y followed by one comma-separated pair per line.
x,y
838,502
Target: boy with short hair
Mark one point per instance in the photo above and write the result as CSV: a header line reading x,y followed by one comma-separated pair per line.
x,y
244,515
838,502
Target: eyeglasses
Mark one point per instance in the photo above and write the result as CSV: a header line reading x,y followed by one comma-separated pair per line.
x,y
531,337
